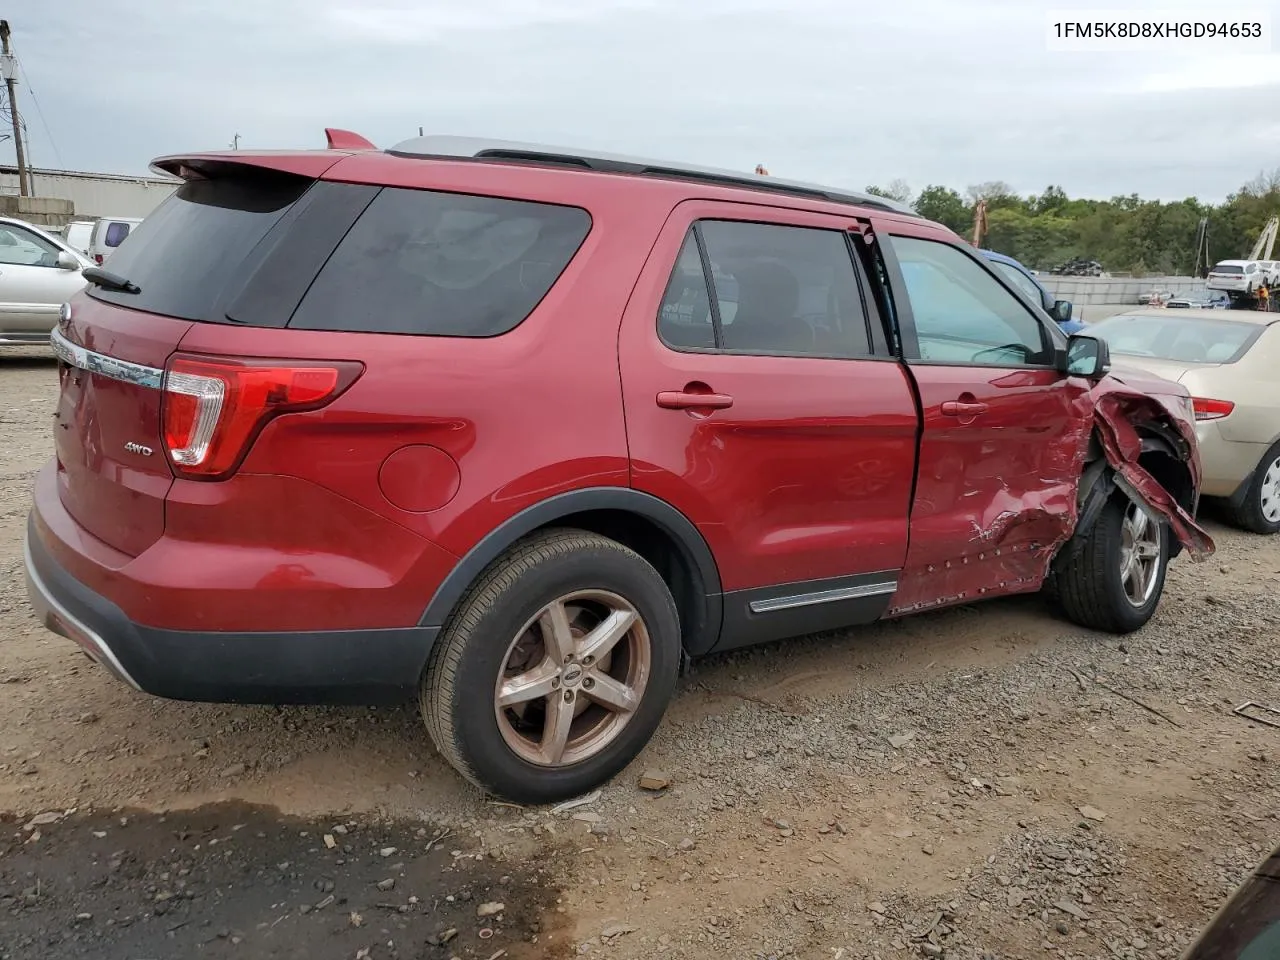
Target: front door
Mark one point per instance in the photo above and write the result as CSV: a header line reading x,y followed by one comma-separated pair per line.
x,y
1003,431
758,404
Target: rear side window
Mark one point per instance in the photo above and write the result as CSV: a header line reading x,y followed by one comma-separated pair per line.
x,y
772,290
185,253
116,232
444,264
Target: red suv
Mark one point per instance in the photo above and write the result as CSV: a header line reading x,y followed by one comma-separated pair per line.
x,y
520,430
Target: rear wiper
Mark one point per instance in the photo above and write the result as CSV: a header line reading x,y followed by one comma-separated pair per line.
x,y
112,281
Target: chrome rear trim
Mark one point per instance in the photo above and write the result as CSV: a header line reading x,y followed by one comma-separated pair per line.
x,y
100,363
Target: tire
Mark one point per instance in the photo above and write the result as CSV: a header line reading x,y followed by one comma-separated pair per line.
x,y
1259,510
500,629
1089,586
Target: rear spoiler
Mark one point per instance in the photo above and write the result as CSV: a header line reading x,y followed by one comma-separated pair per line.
x,y
303,163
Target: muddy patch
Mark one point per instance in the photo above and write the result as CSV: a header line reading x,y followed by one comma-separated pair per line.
x,y
232,880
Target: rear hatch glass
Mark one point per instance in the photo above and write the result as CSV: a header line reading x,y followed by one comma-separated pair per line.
x,y
1228,269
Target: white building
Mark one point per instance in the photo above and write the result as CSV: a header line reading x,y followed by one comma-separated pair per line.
x,y
94,194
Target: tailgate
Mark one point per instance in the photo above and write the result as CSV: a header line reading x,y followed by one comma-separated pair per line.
x,y
112,472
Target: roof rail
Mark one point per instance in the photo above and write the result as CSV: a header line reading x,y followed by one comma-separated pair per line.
x,y
454,148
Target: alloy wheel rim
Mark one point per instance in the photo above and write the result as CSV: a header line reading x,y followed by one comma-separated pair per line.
x,y
572,678
1140,555
1270,494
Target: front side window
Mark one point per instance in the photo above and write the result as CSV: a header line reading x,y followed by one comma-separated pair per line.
x,y
962,314
22,248
773,290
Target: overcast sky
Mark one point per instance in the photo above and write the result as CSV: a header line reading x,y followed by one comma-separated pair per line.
x,y
845,92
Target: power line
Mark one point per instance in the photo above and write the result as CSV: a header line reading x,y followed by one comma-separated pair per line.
x,y
39,111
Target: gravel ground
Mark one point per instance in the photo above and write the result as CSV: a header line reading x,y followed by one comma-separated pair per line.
x,y
981,782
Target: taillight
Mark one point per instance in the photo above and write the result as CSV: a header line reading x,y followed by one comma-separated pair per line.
x,y
213,408
97,258
1211,409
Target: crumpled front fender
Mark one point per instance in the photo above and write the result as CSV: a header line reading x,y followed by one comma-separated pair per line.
x,y
1119,412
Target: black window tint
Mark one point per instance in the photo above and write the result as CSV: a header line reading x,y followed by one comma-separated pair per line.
x,y
684,319
443,264
184,254
962,314
785,290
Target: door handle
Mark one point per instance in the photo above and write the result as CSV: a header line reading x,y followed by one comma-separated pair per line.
x,y
691,400
963,408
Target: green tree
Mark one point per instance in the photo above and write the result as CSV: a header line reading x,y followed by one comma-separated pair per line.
x,y
943,205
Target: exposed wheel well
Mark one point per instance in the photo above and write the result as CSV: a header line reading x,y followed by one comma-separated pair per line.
x,y
665,553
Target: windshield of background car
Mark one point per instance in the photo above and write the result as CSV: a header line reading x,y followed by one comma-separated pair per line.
x,y
1020,280
1183,339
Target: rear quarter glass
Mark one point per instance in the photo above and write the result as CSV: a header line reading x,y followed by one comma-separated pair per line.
x,y
442,264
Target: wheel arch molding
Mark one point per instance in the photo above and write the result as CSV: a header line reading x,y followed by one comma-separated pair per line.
x,y
652,527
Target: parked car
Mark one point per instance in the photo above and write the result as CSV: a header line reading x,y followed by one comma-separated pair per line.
x,y
1025,280
79,234
1228,363
1200,300
108,233
38,273
1247,926
464,422
1236,278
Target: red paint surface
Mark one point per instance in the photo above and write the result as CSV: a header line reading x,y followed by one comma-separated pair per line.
x,y
419,478
329,523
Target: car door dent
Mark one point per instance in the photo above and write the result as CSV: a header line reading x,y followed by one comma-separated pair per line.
x,y
1055,515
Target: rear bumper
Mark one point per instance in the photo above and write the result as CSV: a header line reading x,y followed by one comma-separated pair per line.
x,y
1227,464
332,666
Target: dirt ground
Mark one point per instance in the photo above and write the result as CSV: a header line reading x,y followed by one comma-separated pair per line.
x,y
982,782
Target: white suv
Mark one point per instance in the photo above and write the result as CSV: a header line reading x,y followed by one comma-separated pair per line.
x,y
1237,277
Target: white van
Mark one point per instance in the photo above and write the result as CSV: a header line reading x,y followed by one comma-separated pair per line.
x,y
109,233
78,234
1236,277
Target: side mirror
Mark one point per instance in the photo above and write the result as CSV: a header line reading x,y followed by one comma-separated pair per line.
x,y
1061,311
1087,356
67,261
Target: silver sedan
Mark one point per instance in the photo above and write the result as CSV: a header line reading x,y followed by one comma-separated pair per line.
x,y
38,273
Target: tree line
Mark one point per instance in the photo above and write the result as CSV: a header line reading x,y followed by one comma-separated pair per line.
x,y
1124,234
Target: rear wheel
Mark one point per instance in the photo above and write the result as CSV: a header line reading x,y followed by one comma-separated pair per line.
x,y
555,669
1259,510
1115,578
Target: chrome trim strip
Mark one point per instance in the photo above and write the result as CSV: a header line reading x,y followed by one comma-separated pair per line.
x,y
100,363
824,596
48,608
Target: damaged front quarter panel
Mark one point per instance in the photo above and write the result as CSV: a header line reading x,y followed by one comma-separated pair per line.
x,y
1122,414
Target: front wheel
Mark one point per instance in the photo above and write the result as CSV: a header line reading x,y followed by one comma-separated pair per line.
x,y
1114,579
555,669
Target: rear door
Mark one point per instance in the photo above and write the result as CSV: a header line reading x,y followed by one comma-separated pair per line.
x,y
761,402
1003,430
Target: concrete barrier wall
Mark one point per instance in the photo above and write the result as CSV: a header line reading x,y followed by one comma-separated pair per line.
x,y
1090,291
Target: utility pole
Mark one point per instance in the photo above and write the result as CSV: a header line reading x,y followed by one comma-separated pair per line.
x,y
235,142
9,69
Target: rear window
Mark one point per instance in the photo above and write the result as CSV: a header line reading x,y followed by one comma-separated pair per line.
x,y
116,232
1183,339
443,264
183,255
1228,268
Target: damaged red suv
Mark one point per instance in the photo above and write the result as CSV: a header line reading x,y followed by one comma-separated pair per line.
x,y
520,430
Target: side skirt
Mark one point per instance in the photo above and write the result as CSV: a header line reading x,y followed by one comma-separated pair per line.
x,y
764,614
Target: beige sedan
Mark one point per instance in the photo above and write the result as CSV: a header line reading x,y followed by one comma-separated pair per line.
x,y
1229,361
